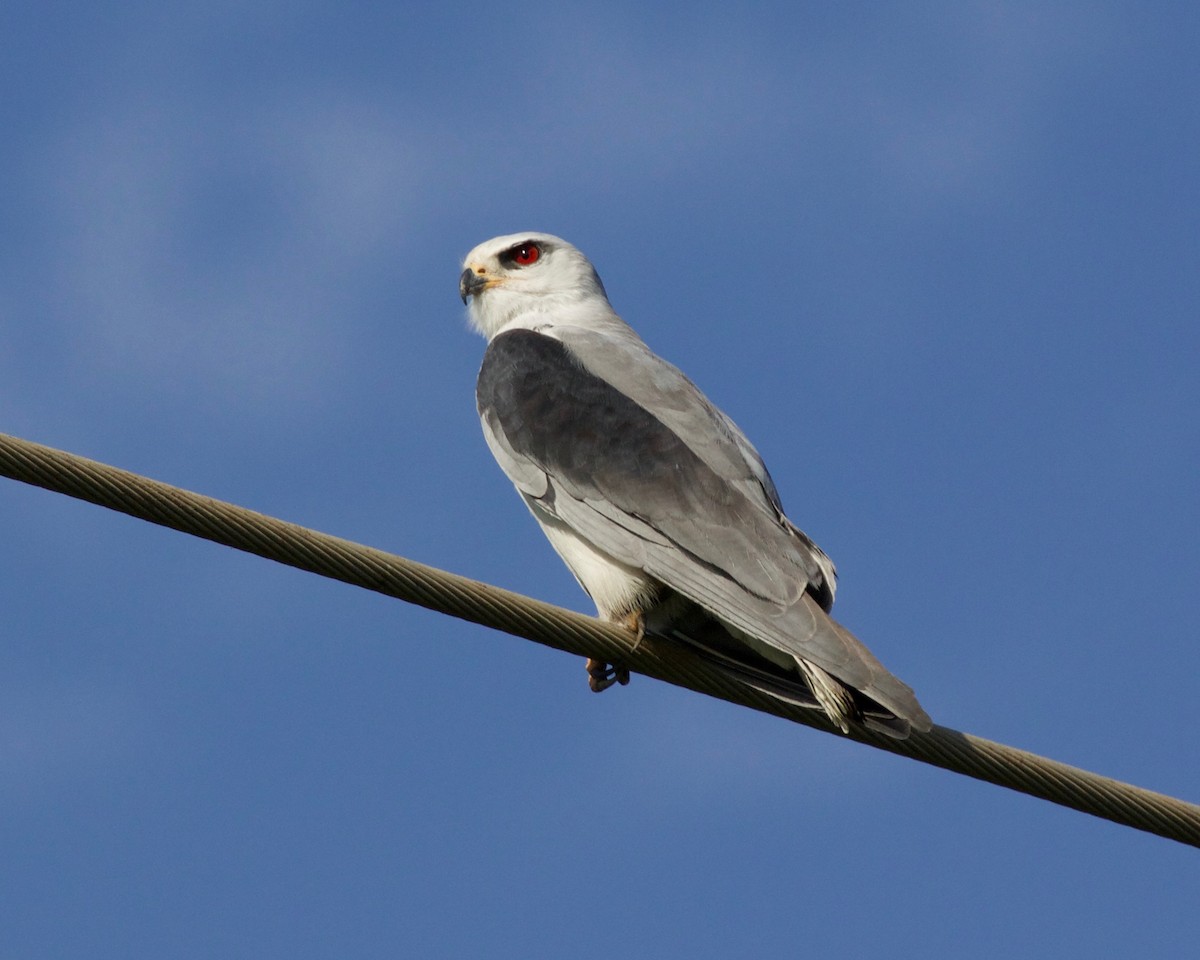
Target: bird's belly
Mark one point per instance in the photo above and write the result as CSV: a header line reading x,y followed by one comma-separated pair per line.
x,y
616,588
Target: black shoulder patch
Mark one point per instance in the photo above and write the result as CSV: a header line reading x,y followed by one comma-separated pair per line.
x,y
583,430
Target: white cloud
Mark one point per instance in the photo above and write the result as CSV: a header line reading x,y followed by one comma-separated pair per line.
x,y
211,251
208,241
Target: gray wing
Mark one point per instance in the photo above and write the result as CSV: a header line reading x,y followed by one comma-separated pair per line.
x,y
652,475
624,362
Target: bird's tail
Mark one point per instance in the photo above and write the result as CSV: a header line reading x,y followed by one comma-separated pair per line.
x,y
813,689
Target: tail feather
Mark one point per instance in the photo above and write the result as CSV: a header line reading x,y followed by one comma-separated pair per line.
x,y
833,696
809,685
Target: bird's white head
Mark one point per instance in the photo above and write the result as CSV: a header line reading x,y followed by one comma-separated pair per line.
x,y
528,280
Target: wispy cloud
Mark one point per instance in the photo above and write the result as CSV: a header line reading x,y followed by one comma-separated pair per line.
x,y
193,231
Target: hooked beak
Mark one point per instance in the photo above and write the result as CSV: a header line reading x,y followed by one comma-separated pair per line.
x,y
470,283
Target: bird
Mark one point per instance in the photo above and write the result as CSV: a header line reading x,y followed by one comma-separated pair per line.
x,y
655,500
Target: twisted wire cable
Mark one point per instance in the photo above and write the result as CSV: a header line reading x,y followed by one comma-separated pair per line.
x,y
522,616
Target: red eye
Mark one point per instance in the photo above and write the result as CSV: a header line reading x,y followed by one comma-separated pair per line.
x,y
526,253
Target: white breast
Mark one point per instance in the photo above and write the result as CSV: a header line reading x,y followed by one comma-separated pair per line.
x,y
616,588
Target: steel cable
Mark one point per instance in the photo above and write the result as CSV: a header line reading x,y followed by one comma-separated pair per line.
x,y
522,616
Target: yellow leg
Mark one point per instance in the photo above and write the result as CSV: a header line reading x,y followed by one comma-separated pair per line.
x,y
601,673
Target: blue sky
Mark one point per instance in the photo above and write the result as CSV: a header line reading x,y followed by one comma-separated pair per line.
x,y
940,261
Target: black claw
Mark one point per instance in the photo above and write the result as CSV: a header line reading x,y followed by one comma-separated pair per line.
x,y
603,675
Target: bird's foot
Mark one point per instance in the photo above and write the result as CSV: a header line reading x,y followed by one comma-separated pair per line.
x,y
602,675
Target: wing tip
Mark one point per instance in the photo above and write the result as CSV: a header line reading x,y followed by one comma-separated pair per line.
x,y
895,726
898,716
844,705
